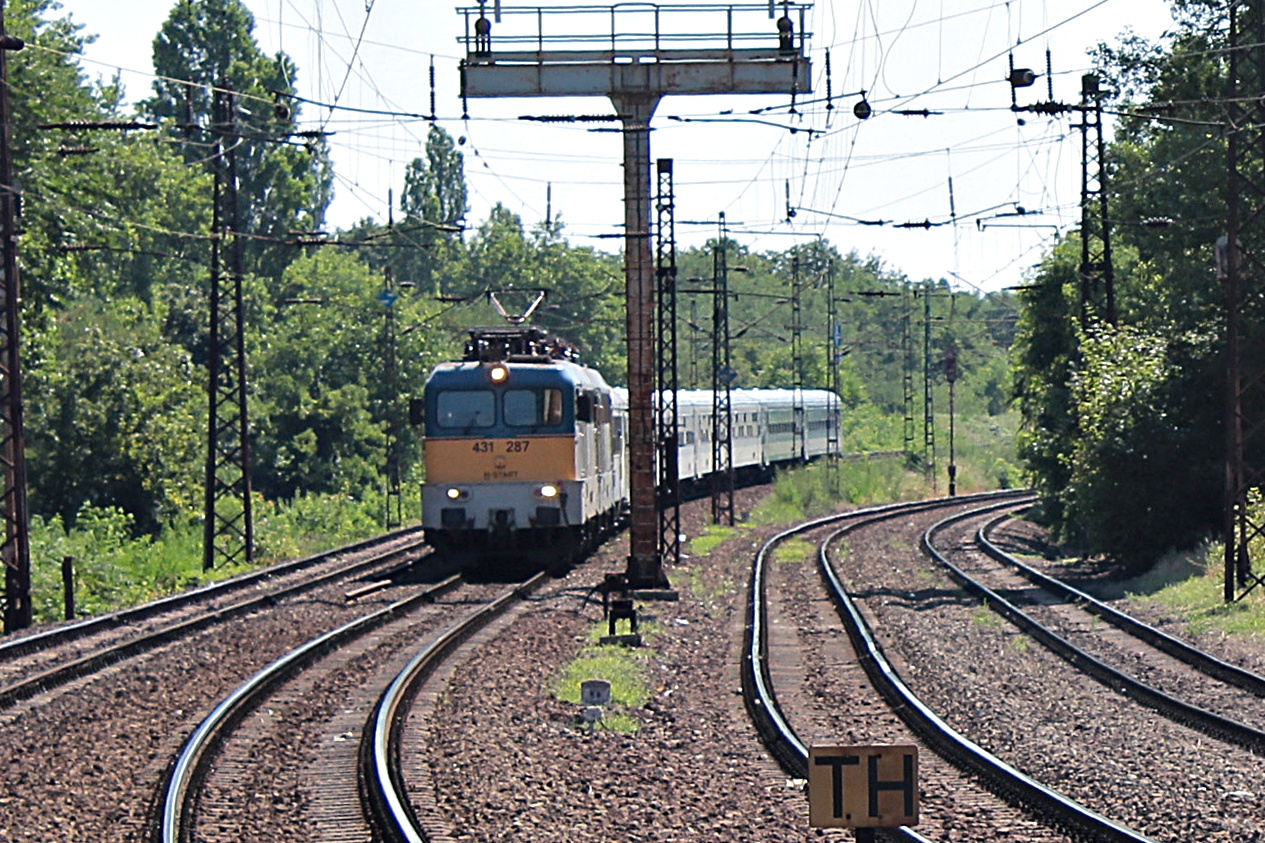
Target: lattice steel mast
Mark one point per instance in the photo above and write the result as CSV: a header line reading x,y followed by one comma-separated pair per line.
x,y
391,377
834,353
1097,277
928,397
667,427
229,526
17,542
722,476
800,440
907,364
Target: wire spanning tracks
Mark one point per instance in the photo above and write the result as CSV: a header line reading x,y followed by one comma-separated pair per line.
x,y
820,687
52,657
278,759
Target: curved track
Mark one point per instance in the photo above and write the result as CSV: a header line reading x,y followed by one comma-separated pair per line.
x,y
1077,703
1003,776
1106,655
930,729
227,757
383,771
53,657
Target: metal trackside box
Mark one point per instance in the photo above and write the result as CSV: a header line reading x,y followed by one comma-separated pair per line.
x,y
862,786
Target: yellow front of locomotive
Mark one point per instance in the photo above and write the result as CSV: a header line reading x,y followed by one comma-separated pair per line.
x,y
502,473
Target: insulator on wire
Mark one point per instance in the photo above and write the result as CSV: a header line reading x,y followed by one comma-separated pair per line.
x,y
829,90
432,89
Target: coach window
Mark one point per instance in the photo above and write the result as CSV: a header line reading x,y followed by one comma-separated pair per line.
x,y
533,408
465,409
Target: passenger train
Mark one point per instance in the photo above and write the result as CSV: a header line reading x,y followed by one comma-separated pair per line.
x,y
526,449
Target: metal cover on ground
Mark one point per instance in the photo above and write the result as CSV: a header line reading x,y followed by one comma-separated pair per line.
x,y
862,786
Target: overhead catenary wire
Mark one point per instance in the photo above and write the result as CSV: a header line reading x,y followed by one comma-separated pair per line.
x,y
495,175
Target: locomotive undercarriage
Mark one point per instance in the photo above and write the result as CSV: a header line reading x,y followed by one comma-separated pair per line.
x,y
504,548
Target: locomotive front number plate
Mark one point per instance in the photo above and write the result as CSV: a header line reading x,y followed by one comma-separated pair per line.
x,y
520,459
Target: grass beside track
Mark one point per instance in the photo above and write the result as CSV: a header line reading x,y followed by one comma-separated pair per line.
x,y
1191,586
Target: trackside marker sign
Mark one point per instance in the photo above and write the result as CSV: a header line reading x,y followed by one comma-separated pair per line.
x,y
862,786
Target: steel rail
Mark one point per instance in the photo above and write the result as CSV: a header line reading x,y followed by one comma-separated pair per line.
x,y
758,692
56,635
1171,707
1200,660
947,742
186,770
68,671
380,751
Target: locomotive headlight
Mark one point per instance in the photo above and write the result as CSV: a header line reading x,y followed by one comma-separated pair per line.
x,y
499,373
548,491
455,494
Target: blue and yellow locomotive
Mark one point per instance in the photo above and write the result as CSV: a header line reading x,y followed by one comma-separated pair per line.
x,y
524,452
525,448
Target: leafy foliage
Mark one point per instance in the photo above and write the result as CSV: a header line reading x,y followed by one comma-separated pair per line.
x,y
116,263
113,417
283,178
1141,435
1123,426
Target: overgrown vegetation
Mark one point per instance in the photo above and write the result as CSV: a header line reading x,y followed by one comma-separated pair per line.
x,y
623,667
117,261
984,458
1200,600
115,567
1123,424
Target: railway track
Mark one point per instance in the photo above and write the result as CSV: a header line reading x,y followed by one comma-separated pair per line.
x,y
1200,660
487,751
329,683
1056,714
53,657
92,749
920,722
1179,681
387,767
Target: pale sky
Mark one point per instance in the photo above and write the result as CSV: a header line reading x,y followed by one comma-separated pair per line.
x,y
949,56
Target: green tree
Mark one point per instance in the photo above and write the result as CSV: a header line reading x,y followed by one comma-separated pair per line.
x,y
115,416
102,213
1122,430
321,407
1143,409
500,255
435,187
585,299
284,176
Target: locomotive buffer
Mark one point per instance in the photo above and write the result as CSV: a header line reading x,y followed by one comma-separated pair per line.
x,y
710,54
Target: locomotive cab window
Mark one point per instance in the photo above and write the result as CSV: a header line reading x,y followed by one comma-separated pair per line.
x,y
464,409
533,407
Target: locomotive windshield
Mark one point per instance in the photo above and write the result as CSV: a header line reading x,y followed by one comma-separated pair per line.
x,y
533,407
465,409
468,409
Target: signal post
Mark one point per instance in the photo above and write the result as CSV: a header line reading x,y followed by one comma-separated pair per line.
x,y
549,52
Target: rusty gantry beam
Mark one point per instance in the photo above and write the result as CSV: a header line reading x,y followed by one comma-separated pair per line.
x,y
630,64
